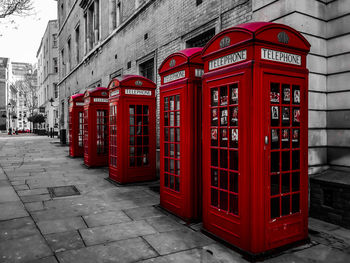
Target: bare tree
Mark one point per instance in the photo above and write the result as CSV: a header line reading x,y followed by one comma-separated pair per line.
x,y
27,90
15,7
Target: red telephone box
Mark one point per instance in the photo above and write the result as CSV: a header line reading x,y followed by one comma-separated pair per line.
x,y
255,136
76,125
180,133
96,127
132,154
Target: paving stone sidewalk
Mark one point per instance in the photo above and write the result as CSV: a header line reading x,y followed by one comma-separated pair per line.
x,y
109,223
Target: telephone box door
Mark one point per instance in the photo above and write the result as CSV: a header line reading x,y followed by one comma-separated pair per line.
x,y
141,143
171,136
225,182
286,159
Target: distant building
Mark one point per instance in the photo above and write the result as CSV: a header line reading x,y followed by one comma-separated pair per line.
x,y
24,81
7,94
47,93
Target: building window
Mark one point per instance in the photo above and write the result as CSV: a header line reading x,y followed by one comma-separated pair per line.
x,y
116,74
198,2
118,14
201,40
54,40
69,54
147,69
77,42
55,65
55,89
63,64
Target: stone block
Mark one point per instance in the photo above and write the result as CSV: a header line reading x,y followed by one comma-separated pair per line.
x,y
338,26
338,156
338,45
339,100
317,82
317,138
338,63
338,119
316,64
35,198
317,156
340,138
317,101
317,119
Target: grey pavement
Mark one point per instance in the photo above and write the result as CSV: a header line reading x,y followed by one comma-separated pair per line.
x,y
110,223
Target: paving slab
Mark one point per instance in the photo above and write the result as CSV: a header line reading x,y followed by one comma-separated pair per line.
x,y
165,223
11,210
24,249
177,240
7,194
33,192
51,259
17,228
104,234
34,206
63,241
21,187
322,253
61,225
4,182
35,198
108,218
197,255
143,212
130,250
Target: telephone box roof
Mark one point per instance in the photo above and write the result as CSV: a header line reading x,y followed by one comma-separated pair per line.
x,y
77,96
188,55
131,81
264,32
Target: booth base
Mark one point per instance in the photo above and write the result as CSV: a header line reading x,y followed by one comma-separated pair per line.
x,y
138,183
187,220
254,257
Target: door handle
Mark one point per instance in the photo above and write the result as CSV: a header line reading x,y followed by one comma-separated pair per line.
x,y
266,140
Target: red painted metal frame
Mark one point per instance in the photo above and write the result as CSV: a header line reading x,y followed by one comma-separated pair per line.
x,y
76,108
121,169
251,228
96,100
184,198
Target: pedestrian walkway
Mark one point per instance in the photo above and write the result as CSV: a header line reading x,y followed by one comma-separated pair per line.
x,y
109,223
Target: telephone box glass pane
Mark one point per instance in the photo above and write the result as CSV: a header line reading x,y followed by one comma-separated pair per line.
x,y
102,132
81,129
285,155
138,135
172,135
224,134
113,135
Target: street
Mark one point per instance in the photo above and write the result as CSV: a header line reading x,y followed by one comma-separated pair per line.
x,y
104,222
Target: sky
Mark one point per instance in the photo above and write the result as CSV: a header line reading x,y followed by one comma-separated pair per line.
x,y
20,40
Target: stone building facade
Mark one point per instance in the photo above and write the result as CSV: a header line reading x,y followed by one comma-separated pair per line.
x,y
47,93
5,76
99,40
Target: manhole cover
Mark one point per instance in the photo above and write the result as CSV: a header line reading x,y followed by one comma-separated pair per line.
x,y
61,191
